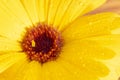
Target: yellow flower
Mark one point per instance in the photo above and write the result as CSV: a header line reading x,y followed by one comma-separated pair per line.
x,y
48,40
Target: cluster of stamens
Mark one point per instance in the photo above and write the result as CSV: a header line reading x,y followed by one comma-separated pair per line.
x,y
42,43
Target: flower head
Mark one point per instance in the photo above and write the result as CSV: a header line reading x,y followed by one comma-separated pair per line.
x,y
51,40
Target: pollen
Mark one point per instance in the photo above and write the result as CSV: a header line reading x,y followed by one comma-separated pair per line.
x,y
33,43
42,43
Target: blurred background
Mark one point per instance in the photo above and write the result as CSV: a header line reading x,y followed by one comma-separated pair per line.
x,y
109,6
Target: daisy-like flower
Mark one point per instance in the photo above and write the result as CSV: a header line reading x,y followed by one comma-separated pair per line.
x,y
48,40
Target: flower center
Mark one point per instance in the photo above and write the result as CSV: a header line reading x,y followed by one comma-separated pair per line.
x,y
42,43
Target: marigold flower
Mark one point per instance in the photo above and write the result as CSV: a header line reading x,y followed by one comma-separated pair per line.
x,y
51,40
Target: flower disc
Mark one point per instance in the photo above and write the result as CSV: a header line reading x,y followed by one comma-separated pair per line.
x,y
42,43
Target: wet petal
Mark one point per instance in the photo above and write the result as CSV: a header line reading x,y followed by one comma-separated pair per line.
x,y
54,71
7,60
16,10
31,8
77,70
53,7
12,72
11,25
7,45
31,72
86,68
107,40
69,10
76,50
91,26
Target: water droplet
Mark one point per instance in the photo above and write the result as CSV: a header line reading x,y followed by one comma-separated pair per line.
x,y
83,65
90,23
103,54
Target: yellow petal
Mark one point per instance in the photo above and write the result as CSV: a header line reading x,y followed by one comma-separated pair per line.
x,y
53,7
10,25
31,72
93,5
7,45
46,74
114,67
7,60
111,41
107,40
90,26
37,10
2,78
116,31
85,49
12,72
41,10
63,6
46,7
69,10
86,68
84,54
77,72
31,9
16,9
55,71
